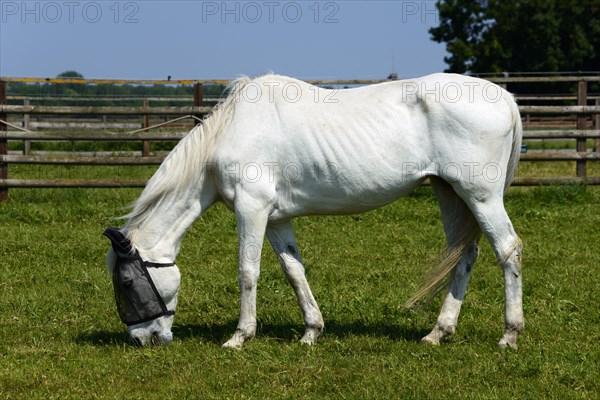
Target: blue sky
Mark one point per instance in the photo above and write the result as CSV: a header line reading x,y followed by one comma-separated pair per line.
x,y
218,39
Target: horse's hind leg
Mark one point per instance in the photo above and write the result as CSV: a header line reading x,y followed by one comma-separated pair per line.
x,y
459,225
499,230
282,239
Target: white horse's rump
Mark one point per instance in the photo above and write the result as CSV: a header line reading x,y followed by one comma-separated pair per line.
x,y
279,148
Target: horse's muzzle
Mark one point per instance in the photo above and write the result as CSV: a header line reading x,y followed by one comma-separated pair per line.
x,y
141,338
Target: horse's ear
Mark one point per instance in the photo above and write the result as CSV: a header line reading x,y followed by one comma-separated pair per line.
x,y
120,244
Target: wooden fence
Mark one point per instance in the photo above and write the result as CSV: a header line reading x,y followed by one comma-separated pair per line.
x,y
586,119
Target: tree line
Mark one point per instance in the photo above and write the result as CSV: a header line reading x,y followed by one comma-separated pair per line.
x,y
521,37
110,93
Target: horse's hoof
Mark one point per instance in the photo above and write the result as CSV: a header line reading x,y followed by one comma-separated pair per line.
x,y
233,343
239,338
310,337
504,344
509,340
308,340
428,341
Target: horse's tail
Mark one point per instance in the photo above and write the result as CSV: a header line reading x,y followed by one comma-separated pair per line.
x,y
440,277
517,137
470,232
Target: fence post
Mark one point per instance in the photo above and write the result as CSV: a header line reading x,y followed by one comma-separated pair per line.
x,y
26,119
3,144
198,98
581,125
146,143
597,125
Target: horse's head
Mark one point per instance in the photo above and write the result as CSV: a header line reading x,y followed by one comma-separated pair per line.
x,y
145,292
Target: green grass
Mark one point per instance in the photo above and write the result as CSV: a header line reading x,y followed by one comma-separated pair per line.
x,y
61,337
83,146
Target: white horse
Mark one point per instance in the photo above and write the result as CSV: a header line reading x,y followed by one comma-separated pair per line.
x,y
277,148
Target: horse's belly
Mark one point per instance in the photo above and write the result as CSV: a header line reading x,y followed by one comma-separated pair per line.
x,y
336,199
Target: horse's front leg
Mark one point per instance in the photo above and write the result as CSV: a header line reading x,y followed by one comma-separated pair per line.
x,y
252,220
283,240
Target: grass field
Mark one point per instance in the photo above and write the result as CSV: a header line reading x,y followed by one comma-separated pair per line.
x,y
61,337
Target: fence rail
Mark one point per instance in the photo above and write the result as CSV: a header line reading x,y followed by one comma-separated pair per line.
x,y
84,129
72,183
93,110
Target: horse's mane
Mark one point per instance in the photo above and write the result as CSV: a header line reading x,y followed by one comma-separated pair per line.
x,y
183,168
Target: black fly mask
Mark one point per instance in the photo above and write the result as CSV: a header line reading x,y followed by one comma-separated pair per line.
x,y
136,295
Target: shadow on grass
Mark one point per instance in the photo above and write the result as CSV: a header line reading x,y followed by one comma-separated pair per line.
x,y
390,331
220,333
104,338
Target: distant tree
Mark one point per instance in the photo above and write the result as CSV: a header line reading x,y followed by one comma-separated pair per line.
x,y
70,74
69,89
519,35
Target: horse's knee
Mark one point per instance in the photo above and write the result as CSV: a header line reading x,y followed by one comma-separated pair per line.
x,y
247,277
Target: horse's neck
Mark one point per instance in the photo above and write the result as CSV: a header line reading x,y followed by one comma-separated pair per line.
x,y
159,235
